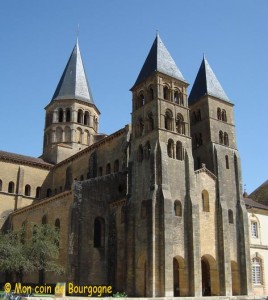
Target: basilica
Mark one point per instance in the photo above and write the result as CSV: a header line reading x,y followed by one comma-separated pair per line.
x,y
155,209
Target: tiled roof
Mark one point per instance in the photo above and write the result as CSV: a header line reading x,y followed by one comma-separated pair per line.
x,y
252,203
261,193
206,83
159,59
73,83
8,156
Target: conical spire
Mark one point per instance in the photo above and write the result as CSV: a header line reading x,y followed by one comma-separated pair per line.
x,y
206,83
159,59
73,83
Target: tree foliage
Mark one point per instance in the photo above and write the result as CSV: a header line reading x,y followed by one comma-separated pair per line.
x,y
39,251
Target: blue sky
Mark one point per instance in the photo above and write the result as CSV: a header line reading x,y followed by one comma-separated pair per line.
x,y
115,36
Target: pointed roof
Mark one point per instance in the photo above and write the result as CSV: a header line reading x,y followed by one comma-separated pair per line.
x,y
73,83
206,83
159,59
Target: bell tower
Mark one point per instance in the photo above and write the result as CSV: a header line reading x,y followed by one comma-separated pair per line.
x,y
71,117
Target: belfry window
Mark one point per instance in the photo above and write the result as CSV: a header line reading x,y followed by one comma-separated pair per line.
x,y
226,139
219,113
86,118
170,148
38,192
221,137
180,124
60,115
80,116
151,91
223,115
227,161
168,120
140,100
179,151
177,208
68,115
166,93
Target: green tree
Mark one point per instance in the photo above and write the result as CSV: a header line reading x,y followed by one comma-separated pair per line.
x,y
37,253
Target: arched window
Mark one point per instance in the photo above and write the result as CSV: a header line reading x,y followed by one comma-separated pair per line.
x,y
68,115
100,171
60,115
177,208
221,137
180,124
254,229
108,169
1,185
49,193
59,134
147,150
165,93
170,148
80,116
79,135
151,91
140,100
219,113
230,216
179,151
143,209
140,153
116,166
99,233
86,118
227,161
205,201
68,178
168,120
67,133
27,190
140,127
223,115
226,139
256,270
44,220
150,122
178,98
11,187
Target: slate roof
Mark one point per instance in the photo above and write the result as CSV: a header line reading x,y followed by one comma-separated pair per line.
x,y
261,193
159,59
8,156
254,204
73,83
206,83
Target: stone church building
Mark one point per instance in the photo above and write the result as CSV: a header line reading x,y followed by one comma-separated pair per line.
x,y
154,209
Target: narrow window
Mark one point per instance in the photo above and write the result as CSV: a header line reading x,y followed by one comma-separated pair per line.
x,y
140,153
177,208
151,94
68,115
205,201
227,161
150,122
60,115
256,271
80,116
1,185
116,166
226,139
166,93
230,216
99,233
176,97
170,148
86,118
168,120
223,115
221,137
141,100
49,193
254,230
219,113
108,169
180,124
179,151
27,190
11,187
100,171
